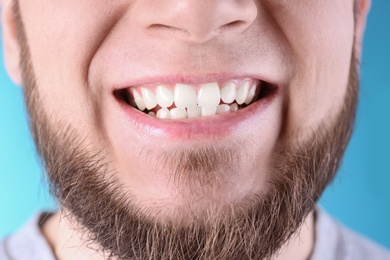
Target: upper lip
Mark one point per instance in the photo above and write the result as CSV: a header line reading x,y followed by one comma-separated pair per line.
x,y
191,79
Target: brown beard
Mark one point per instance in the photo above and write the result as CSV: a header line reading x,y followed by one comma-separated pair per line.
x,y
86,186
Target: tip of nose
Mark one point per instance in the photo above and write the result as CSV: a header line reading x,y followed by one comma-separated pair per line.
x,y
201,21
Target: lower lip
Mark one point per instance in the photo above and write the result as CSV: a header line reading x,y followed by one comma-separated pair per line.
x,y
201,127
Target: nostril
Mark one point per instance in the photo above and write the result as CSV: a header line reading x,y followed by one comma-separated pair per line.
x,y
164,27
231,25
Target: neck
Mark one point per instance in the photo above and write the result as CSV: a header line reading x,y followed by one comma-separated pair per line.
x,y
301,245
67,242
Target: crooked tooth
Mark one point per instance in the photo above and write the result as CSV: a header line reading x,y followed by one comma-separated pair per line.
x,y
151,113
251,94
208,110
242,92
139,102
163,113
193,112
223,108
209,95
178,113
184,96
234,107
164,96
149,98
228,92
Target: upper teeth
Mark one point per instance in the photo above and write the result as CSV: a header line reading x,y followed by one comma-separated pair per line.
x,y
186,102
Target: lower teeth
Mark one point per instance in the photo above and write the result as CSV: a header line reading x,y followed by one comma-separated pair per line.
x,y
192,112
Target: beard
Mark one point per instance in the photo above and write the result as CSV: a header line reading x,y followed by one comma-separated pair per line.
x,y
86,186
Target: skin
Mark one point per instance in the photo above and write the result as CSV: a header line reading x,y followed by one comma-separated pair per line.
x,y
303,47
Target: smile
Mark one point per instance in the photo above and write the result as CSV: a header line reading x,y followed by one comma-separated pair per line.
x,y
213,108
180,101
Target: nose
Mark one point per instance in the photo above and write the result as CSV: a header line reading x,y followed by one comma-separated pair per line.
x,y
197,21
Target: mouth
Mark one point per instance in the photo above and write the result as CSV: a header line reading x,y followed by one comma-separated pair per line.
x,y
180,108
181,101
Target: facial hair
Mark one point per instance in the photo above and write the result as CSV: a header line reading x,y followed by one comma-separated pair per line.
x,y
85,184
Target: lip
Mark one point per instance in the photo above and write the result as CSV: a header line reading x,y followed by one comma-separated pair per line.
x,y
189,79
203,127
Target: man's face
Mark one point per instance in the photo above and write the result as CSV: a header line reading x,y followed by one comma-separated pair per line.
x,y
84,51
87,57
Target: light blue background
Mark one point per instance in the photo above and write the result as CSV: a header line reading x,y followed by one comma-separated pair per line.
x,y
359,197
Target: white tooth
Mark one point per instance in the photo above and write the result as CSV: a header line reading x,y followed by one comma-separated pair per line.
x,y
228,92
138,100
163,113
224,108
208,110
151,113
149,98
209,95
184,96
251,94
193,112
242,92
178,113
234,107
164,96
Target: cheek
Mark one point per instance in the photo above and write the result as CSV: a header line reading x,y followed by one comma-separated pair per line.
x,y
62,38
322,43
